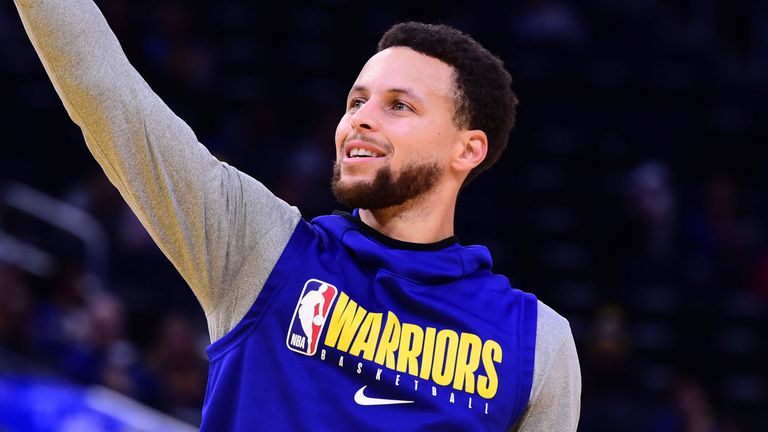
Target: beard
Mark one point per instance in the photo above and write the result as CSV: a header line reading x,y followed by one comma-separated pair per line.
x,y
386,190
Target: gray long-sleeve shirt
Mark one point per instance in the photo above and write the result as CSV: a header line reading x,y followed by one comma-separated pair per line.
x,y
221,229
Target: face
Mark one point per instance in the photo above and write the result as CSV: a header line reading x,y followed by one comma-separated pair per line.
x,y
397,137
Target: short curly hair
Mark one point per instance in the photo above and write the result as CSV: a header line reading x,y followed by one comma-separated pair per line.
x,y
485,99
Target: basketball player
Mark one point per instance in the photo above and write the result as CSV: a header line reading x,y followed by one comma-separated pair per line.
x,y
419,334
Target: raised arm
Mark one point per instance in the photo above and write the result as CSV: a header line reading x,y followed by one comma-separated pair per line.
x,y
207,217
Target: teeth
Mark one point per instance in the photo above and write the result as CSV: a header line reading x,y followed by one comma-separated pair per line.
x,y
359,152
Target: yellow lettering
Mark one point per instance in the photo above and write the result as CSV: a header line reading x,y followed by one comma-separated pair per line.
x,y
467,362
345,320
411,339
487,386
428,352
390,338
443,356
367,336
446,344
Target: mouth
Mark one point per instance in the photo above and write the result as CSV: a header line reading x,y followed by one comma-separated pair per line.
x,y
356,153
359,151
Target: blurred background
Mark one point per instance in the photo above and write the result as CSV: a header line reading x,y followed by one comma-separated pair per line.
x,y
632,197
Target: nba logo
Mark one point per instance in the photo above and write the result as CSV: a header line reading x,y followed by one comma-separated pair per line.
x,y
309,317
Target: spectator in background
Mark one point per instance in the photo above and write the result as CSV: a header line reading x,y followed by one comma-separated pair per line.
x,y
729,237
176,360
103,355
16,308
652,243
608,405
60,318
653,204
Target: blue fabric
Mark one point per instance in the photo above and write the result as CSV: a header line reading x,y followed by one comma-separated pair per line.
x,y
435,334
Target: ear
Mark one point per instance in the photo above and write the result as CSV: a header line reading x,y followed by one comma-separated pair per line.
x,y
471,151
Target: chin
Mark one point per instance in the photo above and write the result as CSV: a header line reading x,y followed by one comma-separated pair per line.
x,y
348,180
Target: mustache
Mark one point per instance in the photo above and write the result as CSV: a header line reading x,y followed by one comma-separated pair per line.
x,y
384,145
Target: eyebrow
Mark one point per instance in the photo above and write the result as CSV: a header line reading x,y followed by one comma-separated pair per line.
x,y
406,91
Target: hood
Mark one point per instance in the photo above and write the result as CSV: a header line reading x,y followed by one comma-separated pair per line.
x,y
429,263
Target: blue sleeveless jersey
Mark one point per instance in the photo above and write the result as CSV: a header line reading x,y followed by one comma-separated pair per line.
x,y
353,333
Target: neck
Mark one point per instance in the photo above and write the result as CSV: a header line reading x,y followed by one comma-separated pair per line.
x,y
426,219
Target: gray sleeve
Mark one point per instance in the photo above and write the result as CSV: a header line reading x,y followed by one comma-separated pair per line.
x,y
207,217
555,400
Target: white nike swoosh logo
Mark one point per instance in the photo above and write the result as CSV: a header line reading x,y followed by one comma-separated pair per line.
x,y
364,400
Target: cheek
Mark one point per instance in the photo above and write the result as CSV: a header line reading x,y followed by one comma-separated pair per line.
x,y
341,132
429,146
429,143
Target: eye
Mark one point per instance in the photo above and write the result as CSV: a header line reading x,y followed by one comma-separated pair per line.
x,y
401,106
356,103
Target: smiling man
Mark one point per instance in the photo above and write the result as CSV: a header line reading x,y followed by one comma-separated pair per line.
x,y
375,320
400,155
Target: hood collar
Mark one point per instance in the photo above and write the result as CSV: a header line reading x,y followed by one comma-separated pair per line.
x,y
438,262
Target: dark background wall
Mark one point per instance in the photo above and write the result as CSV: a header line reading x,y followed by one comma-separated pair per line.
x,y
631,197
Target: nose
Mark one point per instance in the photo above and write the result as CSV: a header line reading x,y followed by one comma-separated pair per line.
x,y
364,118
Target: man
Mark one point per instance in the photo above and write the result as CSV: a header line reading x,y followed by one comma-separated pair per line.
x,y
413,331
